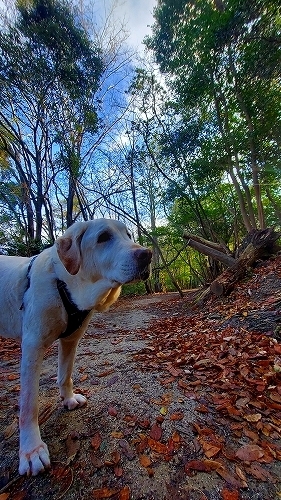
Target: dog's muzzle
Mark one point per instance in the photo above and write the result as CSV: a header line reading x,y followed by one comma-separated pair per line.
x,y
143,257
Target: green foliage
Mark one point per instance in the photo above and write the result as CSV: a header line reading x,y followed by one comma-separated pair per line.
x,y
225,60
134,289
65,49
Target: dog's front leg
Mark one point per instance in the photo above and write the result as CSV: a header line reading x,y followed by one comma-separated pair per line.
x,y
34,455
67,353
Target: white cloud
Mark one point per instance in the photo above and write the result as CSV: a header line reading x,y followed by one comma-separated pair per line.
x,y
140,17
136,16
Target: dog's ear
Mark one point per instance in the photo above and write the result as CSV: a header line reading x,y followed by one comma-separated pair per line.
x,y
68,248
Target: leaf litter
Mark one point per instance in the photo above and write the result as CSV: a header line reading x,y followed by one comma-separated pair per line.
x,y
183,403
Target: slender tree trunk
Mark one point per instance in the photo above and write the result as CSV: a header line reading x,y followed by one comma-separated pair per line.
x,y
70,201
225,133
254,165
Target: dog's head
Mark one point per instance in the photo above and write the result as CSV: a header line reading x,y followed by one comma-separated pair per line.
x,y
103,249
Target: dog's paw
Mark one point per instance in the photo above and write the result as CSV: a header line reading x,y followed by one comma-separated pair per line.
x,y
35,461
74,401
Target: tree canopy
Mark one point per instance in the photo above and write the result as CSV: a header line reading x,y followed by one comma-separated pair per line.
x,y
225,61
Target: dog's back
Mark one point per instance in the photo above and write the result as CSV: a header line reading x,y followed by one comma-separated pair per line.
x,y
13,283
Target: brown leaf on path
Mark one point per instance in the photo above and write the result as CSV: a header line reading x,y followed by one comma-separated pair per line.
x,y
277,348
155,432
112,411
210,449
183,384
250,453
125,493
96,461
144,424
96,441
117,434
11,429
251,434
201,409
72,447
105,373
202,363
214,464
142,444
156,446
177,415
118,471
227,494
253,417
63,474
175,372
240,473
202,466
144,460
150,472
104,493
45,414
176,437
230,478
261,473
275,397
113,459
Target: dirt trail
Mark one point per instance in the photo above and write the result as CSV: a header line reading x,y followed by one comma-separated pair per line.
x,y
103,447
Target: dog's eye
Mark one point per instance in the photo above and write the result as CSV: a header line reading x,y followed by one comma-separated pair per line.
x,y
103,237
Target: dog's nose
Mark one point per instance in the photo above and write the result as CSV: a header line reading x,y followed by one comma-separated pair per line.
x,y
143,256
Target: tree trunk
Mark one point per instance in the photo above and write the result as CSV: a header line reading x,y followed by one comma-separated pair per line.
x,y
258,244
251,141
214,250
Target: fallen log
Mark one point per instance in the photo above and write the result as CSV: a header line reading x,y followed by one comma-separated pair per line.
x,y
212,244
262,244
209,248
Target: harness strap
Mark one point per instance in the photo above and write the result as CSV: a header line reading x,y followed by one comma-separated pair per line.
x,y
28,279
75,315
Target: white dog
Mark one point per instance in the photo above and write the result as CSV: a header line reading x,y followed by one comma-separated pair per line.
x,y
53,296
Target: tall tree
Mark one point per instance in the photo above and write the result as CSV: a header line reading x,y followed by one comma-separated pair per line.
x,y
212,50
49,71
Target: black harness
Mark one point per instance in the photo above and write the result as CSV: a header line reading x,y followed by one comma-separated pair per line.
x,y
75,315
28,278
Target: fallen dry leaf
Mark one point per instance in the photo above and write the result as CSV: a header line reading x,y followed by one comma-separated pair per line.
x,y
250,453
156,446
144,460
72,447
261,473
254,417
104,493
125,493
201,466
96,441
227,494
112,411
118,471
155,432
11,429
177,415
